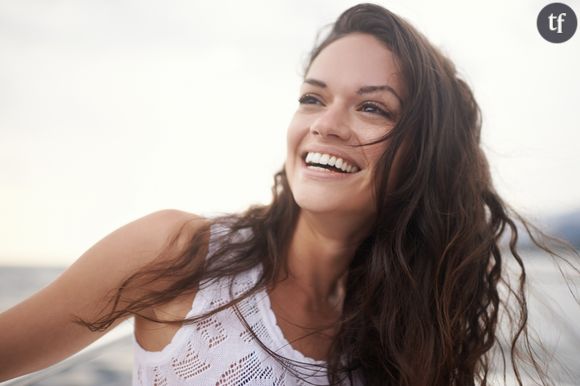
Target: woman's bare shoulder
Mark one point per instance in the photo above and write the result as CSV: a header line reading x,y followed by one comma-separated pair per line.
x,y
168,231
155,228
142,240
83,291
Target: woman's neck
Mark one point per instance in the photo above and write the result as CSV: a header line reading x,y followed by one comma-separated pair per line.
x,y
319,254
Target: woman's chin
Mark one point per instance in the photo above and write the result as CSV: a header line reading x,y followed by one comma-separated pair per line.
x,y
320,204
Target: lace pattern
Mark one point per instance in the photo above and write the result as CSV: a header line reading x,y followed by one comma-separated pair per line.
x,y
219,350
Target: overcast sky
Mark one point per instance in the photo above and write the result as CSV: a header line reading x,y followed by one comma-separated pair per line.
x,y
110,110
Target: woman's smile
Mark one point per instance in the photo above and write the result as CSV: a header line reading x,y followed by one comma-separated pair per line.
x,y
318,172
327,164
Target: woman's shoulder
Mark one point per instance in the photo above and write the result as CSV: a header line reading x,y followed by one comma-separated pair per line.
x,y
167,222
155,238
159,226
160,235
163,234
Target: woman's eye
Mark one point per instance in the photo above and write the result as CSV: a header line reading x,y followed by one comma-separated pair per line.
x,y
308,99
375,109
366,107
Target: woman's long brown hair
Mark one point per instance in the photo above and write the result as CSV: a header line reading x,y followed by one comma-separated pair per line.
x,y
423,290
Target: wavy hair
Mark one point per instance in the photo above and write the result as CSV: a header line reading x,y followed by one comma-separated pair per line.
x,y
422,299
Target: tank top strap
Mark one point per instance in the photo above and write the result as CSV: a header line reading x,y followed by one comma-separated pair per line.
x,y
219,229
214,292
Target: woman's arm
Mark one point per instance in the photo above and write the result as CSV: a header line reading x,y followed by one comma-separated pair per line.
x,y
40,331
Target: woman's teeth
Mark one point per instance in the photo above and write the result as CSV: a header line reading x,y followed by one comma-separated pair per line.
x,y
330,160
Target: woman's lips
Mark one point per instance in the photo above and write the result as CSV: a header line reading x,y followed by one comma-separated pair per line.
x,y
332,161
321,173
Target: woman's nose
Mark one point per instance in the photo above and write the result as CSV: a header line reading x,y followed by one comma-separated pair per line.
x,y
333,121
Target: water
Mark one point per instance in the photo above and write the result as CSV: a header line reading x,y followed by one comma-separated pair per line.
x,y
18,283
554,319
554,314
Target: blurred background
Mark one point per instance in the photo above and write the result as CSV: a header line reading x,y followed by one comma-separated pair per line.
x,y
110,110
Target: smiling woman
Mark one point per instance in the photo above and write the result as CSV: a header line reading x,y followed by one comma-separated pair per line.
x,y
376,263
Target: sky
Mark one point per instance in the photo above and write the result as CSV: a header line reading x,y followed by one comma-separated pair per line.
x,y
110,110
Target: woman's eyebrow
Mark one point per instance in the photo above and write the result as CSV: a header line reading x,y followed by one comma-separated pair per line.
x,y
361,91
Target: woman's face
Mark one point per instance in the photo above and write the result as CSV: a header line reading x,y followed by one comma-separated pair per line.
x,y
351,95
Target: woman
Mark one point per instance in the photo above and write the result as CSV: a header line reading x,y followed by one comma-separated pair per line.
x,y
376,263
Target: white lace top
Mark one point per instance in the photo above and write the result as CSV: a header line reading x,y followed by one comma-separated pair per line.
x,y
219,350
